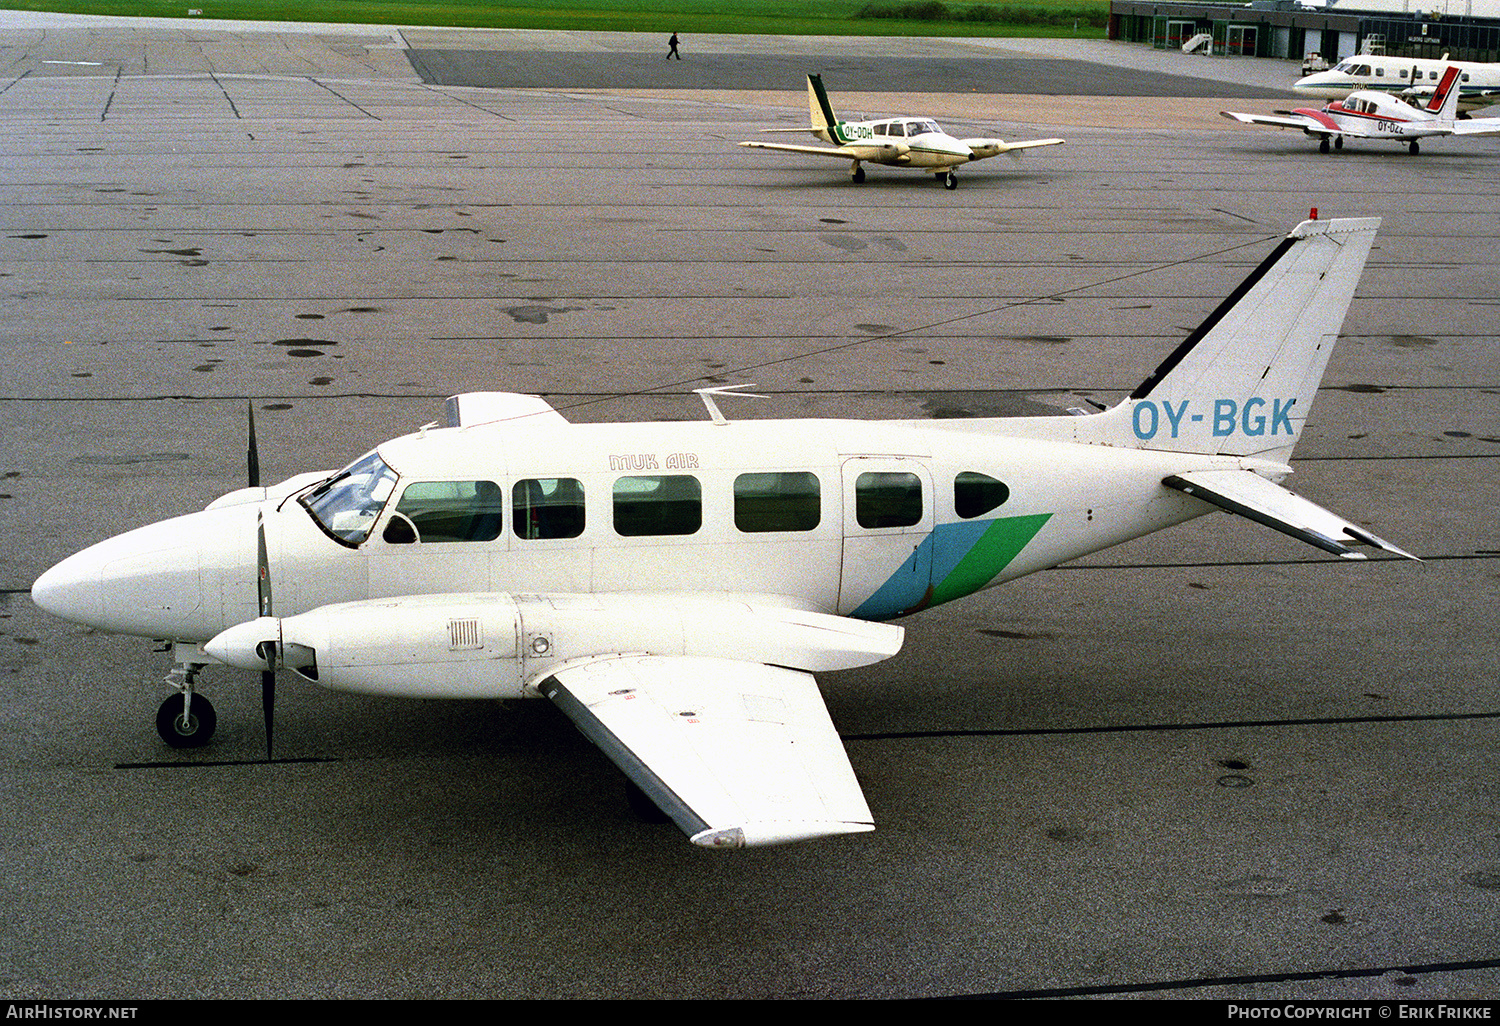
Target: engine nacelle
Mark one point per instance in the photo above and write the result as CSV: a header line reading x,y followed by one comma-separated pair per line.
x,y
885,153
985,147
497,646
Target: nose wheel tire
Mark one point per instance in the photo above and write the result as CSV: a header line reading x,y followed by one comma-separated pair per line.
x,y
190,731
950,180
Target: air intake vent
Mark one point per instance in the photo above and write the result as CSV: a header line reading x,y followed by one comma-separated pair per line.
x,y
464,634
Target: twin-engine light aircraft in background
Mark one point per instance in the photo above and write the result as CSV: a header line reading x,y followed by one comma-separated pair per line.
x,y
672,587
1375,115
1407,77
899,142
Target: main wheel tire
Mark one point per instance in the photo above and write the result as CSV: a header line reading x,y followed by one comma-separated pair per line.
x,y
192,732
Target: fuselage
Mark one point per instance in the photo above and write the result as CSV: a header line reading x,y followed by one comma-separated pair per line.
x,y
868,519
1376,115
906,142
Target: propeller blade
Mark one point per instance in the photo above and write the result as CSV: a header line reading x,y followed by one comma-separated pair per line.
x,y
252,456
263,589
268,704
262,567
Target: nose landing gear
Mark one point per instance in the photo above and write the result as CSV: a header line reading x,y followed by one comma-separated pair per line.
x,y
186,719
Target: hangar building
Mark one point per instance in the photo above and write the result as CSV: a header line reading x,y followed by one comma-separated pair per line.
x,y
1464,30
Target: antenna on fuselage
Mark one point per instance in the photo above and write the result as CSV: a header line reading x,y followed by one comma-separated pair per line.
x,y
707,395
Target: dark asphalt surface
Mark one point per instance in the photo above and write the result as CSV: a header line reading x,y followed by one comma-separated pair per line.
x,y
509,69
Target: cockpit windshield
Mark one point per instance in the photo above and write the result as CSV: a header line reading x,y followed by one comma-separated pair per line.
x,y
348,503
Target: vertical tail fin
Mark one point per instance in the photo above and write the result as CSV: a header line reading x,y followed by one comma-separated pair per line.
x,y
818,107
1241,383
1444,101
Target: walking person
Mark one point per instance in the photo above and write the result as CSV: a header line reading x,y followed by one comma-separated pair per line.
x,y
672,52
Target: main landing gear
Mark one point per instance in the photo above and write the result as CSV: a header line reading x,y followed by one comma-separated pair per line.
x,y
1414,149
186,719
857,174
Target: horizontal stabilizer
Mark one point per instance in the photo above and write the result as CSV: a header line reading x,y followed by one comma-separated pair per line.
x,y
1251,496
737,754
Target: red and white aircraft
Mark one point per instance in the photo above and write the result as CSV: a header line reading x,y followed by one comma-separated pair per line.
x,y
1368,114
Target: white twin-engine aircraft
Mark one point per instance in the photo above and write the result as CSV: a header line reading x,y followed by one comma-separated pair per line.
x,y
1370,114
900,142
672,587
1479,84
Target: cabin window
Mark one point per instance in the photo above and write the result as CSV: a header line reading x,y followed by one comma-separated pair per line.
x,y
887,499
548,507
898,130
657,505
880,129
787,501
447,511
975,494
1402,72
1464,77
347,504
1380,73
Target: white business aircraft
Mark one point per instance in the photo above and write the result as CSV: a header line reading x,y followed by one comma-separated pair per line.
x,y
672,587
1410,77
1374,115
899,142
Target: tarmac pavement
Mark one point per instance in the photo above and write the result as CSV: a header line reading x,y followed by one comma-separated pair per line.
x,y
1211,763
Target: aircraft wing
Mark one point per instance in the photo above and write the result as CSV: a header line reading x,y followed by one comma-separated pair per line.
x,y
1477,126
1026,144
842,152
735,753
1298,121
1251,496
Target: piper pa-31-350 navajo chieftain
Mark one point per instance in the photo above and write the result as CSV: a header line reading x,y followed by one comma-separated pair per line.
x,y
672,587
899,142
1374,115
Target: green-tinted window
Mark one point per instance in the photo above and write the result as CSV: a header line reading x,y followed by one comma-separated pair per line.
x,y
664,504
975,494
887,499
548,507
447,511
784,501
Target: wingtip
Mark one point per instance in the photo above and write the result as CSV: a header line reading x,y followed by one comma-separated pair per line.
x,y
755,835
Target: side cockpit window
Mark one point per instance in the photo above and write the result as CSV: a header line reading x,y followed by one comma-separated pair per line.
x,y
447,511
975,494
348,503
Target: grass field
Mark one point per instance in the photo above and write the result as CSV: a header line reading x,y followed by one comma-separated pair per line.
x,y
1072,18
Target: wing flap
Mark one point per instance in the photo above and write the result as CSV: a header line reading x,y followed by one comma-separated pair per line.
x,y
737,754
1251,496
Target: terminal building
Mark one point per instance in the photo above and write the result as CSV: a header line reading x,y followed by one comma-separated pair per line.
x,y
1461,30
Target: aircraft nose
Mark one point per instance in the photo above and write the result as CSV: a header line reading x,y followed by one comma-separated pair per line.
x,y
174,579
70,590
